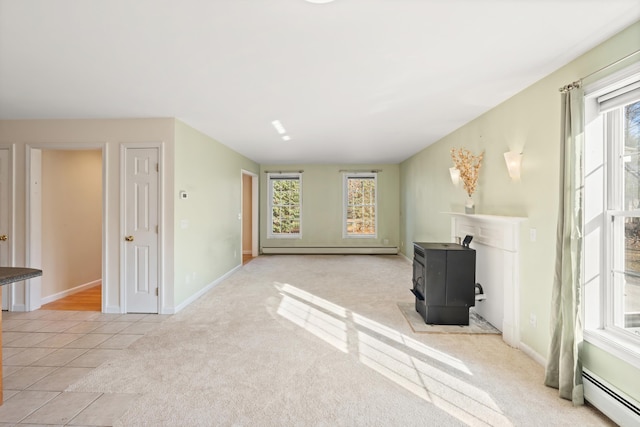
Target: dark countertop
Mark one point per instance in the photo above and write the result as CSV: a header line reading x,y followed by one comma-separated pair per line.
x,y
17,274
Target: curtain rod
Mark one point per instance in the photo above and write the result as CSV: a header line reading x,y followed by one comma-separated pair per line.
x,y
361,171
578,83
300,171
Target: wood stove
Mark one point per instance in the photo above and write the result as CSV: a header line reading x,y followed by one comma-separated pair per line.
x,y
444,282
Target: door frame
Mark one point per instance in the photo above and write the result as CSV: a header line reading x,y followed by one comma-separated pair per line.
x,y
254,211
7,290
160,262
33,215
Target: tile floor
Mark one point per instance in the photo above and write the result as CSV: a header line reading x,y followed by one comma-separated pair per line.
x,y
43,352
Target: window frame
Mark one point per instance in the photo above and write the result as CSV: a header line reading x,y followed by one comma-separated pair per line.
x,y
616,215
271,178
345,204
604,131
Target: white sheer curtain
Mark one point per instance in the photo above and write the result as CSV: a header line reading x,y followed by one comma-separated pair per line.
x,y
563,370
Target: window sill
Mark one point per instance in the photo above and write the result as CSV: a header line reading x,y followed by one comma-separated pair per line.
x,y
618,346
285,236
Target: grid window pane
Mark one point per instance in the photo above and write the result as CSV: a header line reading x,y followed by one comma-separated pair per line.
x,y
360,213
285,206
626,297
625,285
631,156
629,289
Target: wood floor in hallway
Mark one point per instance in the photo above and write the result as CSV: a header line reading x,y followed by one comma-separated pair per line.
x,y
87,300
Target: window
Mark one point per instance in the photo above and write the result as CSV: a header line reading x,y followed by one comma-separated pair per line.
x,y
612,231
285,205
360,205
622,126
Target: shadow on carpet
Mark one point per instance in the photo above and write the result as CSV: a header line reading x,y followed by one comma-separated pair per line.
x,y
477,324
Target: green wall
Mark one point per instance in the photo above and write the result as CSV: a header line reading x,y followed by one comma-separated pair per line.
x,y
528,122
207,231
322,206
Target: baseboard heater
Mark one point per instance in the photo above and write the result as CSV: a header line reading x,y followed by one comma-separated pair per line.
x,y
329,250
623,410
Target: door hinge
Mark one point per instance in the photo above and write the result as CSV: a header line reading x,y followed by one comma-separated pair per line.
x,y
157,167
156,229
157,292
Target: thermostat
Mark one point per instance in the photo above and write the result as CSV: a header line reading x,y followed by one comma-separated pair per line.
x,y
183,195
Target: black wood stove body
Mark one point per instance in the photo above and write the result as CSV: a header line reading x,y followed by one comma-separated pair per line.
x,y
444,276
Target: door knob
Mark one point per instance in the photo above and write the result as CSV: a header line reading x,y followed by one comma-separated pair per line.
x,y
4,238
129,238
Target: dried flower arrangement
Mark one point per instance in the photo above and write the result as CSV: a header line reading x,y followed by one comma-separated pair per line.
x,y
469,167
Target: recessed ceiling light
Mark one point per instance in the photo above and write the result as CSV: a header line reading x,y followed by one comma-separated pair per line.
x,y
286,138
276,124
319,1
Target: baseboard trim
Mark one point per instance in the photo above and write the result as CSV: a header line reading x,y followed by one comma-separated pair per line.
x,y
71,291
113,309
19,307
331,250
201,292
532,354
616,405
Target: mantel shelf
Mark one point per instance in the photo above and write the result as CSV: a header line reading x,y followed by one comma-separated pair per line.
x,y
496,218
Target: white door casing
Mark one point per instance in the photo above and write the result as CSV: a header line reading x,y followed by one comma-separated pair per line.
x,y
5,219
141,229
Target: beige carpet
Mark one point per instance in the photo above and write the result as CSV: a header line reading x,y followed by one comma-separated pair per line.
x,y
477,324
320,341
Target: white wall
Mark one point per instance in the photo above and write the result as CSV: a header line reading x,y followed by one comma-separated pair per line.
x,y
322,206
107,136
527,122
208,242
208,248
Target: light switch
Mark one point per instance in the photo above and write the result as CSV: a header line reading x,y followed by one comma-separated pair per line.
x,y
533,234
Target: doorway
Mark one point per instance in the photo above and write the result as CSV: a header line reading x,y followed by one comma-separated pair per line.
x,y
67,242
249,216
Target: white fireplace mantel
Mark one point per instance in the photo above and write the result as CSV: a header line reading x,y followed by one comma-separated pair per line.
x,y
496,240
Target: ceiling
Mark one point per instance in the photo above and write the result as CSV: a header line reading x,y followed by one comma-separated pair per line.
x,y
353,81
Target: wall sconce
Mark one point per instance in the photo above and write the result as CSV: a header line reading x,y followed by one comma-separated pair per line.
x,y
455,176
514,161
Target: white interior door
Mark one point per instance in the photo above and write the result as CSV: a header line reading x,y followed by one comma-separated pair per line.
x,y
141,230
5,220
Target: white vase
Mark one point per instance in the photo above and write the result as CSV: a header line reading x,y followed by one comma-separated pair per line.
x,y
469,206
